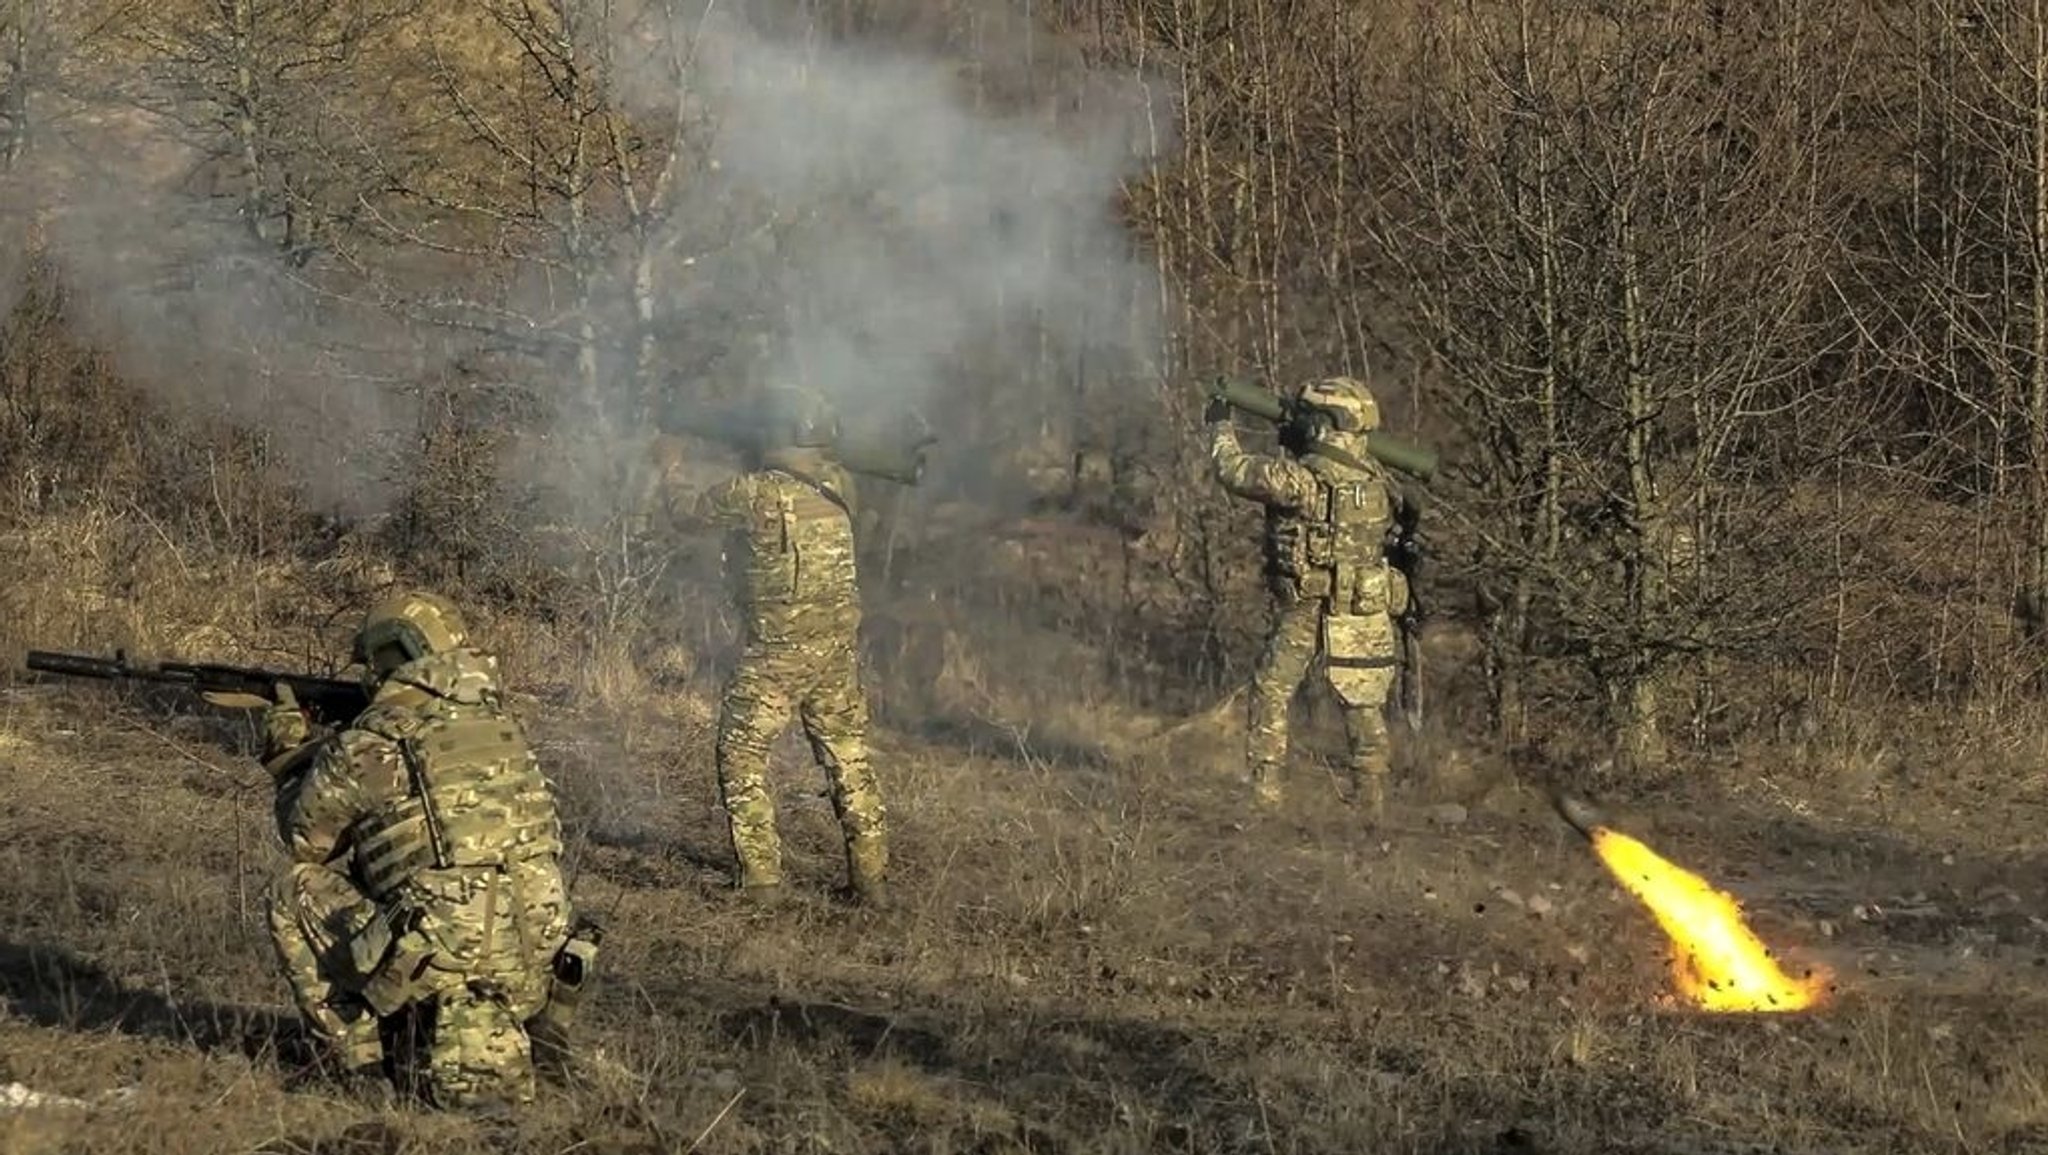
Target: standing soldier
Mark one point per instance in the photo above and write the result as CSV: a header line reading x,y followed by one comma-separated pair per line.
x,y
1329,507
425,870
790,553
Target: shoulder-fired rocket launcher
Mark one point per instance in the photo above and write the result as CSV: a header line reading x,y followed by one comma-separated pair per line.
x,y
873,446
1389,449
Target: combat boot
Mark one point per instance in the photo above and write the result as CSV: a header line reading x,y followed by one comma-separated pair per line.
x,y
368,1084
872,893
356,1060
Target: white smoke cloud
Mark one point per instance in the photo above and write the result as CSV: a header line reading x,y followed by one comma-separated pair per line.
x,y
907,220
190,306
870,217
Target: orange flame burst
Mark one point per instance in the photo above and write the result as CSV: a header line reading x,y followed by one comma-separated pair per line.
x,y
1716,960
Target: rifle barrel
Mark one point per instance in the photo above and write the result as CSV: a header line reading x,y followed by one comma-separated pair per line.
x,y
88,666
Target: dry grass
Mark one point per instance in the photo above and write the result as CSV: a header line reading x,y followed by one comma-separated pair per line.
x,y
1096,947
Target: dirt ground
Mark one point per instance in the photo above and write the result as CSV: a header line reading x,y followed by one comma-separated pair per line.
x,y
1087,953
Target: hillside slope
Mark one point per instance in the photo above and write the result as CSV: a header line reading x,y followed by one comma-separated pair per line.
x,y
1086,956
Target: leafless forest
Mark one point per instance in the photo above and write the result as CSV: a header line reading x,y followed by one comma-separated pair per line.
x,y
1730,320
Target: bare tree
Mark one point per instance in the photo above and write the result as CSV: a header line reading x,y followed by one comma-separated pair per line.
x,y
1955,278
546,232
279,101
1614,251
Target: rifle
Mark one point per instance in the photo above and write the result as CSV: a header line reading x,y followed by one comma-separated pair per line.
x,y
1404,553
1389,449
330,702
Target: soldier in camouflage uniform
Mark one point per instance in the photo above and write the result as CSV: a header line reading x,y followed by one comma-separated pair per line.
x,y
424,868
790,554
1327,522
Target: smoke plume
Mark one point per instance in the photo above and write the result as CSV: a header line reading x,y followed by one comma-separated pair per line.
x,y
877,220
194,308
884,222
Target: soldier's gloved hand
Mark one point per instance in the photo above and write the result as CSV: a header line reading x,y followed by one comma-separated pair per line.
x,y
1217,410
285,725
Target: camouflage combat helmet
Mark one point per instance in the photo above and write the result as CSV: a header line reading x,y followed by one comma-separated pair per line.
x,y
1346,400
408,626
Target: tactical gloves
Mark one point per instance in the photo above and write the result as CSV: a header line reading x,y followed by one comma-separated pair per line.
x,y
285,726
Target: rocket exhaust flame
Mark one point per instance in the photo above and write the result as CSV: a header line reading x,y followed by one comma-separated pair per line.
x,y
1717,962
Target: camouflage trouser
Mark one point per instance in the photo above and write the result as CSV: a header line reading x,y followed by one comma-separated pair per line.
x,y
1297,639
315,917
473,945
822,685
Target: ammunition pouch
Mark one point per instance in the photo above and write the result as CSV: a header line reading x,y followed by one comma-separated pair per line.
x,y
1318,545
393,958
1404,559
1400,598
1299,556
1292,587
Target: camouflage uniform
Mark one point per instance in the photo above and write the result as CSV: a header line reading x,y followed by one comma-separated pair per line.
x,y
1334,593
791,554
424,868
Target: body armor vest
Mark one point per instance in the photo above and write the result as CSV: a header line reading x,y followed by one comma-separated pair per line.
x,y
795,554
1334,548
466,791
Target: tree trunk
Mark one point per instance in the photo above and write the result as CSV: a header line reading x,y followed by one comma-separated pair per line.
x,y
2036,594
254,198
14,89
1549,508
1641,737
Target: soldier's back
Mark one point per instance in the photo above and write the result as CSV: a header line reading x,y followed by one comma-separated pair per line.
x,y
799,577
